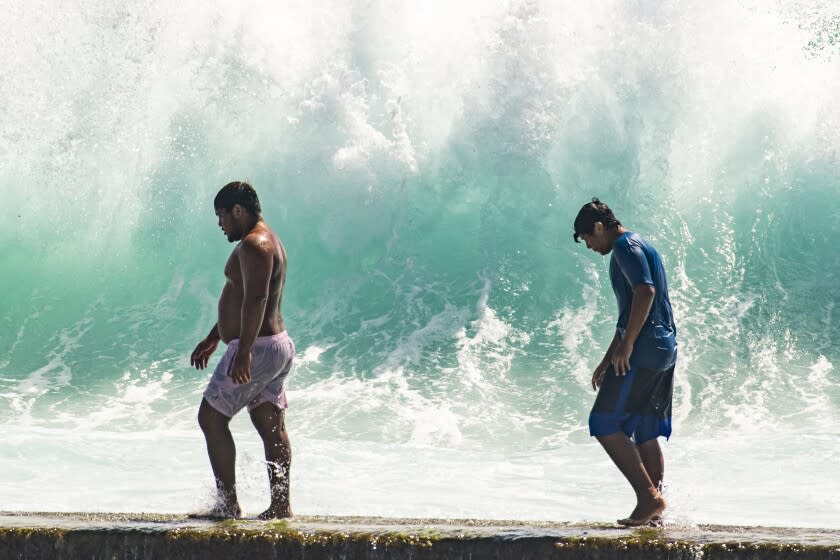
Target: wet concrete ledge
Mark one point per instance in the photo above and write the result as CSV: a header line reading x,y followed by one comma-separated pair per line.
x,y
147,536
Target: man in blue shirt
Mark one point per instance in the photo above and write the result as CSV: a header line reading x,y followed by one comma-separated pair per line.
x,y
635,380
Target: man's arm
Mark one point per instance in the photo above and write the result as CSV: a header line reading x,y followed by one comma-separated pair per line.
x,y
201,355
601,369
608,356
643,295
255,261
214,334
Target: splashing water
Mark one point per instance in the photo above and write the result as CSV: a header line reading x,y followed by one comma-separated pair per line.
x,y
423,165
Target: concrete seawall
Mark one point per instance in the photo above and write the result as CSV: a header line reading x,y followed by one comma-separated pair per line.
x,y
143,536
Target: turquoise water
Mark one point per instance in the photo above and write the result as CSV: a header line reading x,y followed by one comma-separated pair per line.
x,y
423,165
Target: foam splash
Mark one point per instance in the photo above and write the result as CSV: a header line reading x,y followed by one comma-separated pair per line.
x,y
423,165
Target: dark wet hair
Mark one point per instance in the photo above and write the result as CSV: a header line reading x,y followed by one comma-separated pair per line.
x,y
595,211
241,193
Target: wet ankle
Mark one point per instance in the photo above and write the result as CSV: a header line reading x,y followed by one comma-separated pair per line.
x,y
650,494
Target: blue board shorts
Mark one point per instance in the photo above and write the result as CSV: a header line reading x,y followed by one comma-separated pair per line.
x,y
271,362
637,403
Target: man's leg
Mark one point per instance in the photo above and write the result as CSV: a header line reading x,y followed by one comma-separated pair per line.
x,y
625,455
653,460
271,425
222,453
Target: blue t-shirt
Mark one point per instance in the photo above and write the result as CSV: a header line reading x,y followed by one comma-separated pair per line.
x,y
634,261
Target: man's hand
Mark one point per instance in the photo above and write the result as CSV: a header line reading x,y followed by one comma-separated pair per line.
x,y
201,355
598,376
240,372
621,358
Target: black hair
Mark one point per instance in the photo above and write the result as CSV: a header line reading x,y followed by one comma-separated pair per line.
x,y
595,211
241,193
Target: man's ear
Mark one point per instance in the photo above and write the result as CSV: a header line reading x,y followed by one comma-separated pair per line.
x,y
598,228
236,211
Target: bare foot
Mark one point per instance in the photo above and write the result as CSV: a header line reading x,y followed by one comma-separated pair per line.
x,y
276,512
219,511
645,511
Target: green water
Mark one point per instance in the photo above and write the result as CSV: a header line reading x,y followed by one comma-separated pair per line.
x,y
423,168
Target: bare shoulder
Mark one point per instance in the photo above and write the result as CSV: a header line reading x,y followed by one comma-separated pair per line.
x,y
261,238
259,243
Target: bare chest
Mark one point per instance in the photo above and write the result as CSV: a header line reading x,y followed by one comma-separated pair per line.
x,y
233,271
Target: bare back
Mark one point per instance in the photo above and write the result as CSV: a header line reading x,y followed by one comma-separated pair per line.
x,y
261,251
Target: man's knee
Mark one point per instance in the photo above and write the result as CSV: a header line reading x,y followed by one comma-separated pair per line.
x,y
210,420
269,421
203,421
650,445
271,432
606,439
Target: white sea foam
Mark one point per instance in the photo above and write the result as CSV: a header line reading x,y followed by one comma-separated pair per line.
x,y
420,160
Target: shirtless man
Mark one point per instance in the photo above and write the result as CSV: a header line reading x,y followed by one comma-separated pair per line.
x,y
635,379
259,354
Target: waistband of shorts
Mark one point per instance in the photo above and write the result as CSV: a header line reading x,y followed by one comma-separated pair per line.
x,y
264,340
